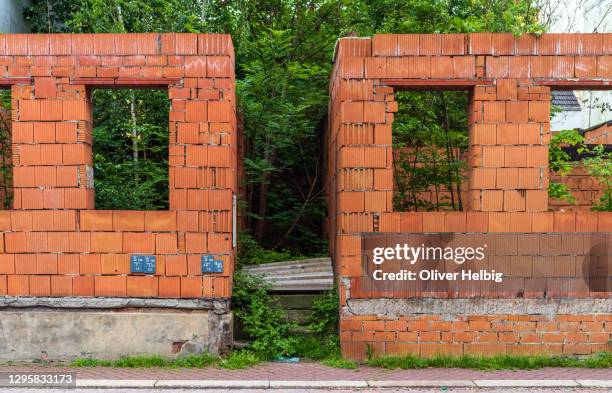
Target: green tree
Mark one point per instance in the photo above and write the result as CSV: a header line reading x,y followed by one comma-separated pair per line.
x,y
283,58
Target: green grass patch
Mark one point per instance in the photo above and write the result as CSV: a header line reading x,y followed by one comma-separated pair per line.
x,y
338,362
239,360
501,362
236,360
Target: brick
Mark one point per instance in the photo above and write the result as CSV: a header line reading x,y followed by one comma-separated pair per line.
x,y
46,264
124,220
83,286
219,243
517,111
351,201
537,200
160,221
384,45
480,43
191,287
40,285
219,66
442,66
453,44
502,44
197,155
98,220
165,243
110,285
169,287
464,67
494,111
585,66
134,242
196,111
106,242
61,286
142,286
45,87
352,112
515,156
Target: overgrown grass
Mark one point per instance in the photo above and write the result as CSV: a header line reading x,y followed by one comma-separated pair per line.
x,y
339,362
235,360
239,360
501,362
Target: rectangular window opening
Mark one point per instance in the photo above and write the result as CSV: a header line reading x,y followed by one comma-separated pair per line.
x,y
130,149
580,155
430,141
6,159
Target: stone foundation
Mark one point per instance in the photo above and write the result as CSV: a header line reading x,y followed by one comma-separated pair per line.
x,y
107,328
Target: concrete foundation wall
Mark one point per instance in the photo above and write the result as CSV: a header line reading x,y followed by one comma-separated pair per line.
x,y
29,333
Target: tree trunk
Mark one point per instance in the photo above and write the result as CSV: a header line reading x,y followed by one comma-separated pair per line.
x,y
262,202
134,134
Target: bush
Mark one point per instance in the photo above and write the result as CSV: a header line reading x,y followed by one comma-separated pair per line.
x,y
252,253
273,336
261,318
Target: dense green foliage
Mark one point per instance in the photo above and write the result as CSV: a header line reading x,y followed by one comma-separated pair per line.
x,y
596,160
430,134
131,152
6,172
283,59
260,316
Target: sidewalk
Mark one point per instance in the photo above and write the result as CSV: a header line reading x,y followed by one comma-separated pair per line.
x,y
312,375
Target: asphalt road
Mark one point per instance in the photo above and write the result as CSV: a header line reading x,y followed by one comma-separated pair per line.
x,y
419,390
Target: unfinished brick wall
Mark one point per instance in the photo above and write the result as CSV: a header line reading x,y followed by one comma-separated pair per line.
x,y
599,134
509,79
54,242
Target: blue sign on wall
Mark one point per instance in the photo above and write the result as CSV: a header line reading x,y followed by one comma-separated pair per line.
x,y
142,264
211,265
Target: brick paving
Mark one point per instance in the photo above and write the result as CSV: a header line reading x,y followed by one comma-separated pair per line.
x,y
307,371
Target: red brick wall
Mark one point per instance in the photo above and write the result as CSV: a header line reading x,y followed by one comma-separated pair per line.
x,y
584,187
53,243
509,79
601,134
483,335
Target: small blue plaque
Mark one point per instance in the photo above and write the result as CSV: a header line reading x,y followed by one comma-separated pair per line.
x,y
211,265
142,264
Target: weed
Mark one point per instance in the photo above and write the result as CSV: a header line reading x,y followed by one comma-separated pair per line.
x,y
239,360
339,362
501,362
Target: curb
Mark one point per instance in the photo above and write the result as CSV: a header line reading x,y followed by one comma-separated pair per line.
x,y
353,384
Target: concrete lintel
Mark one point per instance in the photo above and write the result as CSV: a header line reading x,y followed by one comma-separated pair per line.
x,y
219,305
450,308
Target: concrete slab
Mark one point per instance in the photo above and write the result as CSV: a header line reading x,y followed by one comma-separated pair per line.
x,y
420,383
318,384
115,383
523,383
595,383
212,384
